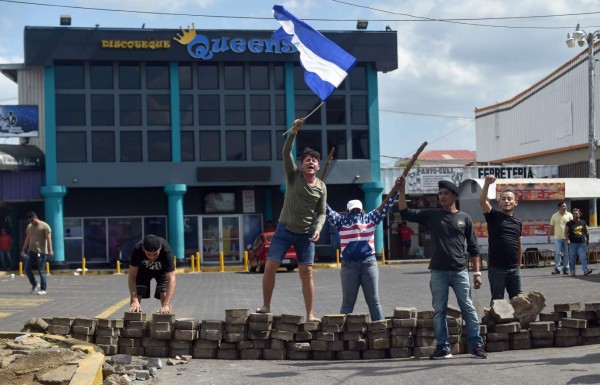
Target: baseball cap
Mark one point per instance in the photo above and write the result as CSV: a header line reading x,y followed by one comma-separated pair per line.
x,y
449,185
354,204
151,243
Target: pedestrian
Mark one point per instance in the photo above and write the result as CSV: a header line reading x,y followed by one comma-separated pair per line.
x,y
557,228
450,229
359,262
269,227
578,238
36,249
504,242
405,234
152,257
5,248
300,222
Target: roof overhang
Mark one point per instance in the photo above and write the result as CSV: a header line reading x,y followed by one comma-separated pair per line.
x,y
21,158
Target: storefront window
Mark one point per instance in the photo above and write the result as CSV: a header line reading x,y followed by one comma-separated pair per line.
x,y
210,145
157,77
305,104
101,77
260,110
69,77
130,108
312,139
159,146
235,110
71,147
94,239
159,110
131,146
208,110
70,110
358,110
208,76
186,110
103,146
336,110
360,144
185,77
102,110
234,77
259,77
337,139
129,77
261,145
187,146
236,145
358,78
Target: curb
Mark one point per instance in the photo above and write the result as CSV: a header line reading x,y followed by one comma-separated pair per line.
x,y
89,370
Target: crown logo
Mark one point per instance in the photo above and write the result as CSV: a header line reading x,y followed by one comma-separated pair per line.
x,y
186,36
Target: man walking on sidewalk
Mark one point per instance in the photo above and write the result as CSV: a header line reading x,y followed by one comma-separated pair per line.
x,y
36,250
558,223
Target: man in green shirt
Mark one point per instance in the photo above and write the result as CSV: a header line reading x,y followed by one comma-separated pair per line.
x,y
305,199
36,249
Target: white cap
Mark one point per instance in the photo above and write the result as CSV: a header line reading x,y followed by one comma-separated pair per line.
x,y
354,204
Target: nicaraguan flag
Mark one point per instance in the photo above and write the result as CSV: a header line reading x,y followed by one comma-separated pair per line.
x,y
326,64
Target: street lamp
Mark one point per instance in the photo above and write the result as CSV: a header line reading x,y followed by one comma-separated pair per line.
x,y
582,38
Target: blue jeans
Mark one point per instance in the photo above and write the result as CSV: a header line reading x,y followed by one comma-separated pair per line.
x,y
440,282
355,274
5,260
283,239
504,278
30,259
578,250
561,257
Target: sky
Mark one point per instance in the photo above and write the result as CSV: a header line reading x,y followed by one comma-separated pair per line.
x,y
453,55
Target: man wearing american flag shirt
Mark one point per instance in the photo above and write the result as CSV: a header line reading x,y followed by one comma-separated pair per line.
x,y
359,263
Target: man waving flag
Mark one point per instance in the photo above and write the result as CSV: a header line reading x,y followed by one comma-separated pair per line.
x,y
326,64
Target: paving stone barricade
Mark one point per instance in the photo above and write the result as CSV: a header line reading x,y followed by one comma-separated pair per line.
x,y
245,335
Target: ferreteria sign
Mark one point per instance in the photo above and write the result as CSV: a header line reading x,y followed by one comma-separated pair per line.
x,y
201,47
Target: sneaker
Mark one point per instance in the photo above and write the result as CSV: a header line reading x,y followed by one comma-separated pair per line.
x,y
440,353
42,292
565,272
478,352
556,271
35,289
588,272
572,274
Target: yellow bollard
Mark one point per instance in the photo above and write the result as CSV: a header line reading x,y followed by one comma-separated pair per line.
x,y
337,257
383,256
246,260
47,268
175,262
20,268
83,266
198,261
192,263
118,267
222,261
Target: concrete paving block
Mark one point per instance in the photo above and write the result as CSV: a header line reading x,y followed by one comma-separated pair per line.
x,y
589,315
511,327
539,343
502,311
454,321
81,337
59,329
119,359
260,317
378,343
144,325
591,340
117,323
161,335
483,329
282,335
497,337
259,335
423,351
425,314
357,318
424,323
228,346
383,324
409,331
108,331
292,319
521,344
121,341
356,327
261,344
211,335
594,306
453,329
62,321
351,336
212,325
541,335
310,326
323,356
405,312
398,352
186,335
152,342
567,332
428,332
294,355
567,341
404,322
335,346
402,341
135,316
132,350
385,333
109,350
334,328
564,307
425,341
554,316
356,345
241,345
186,324
85,322
133,333
174,353
347,355
251,354
454,338
236,328
374,354
160,327
236,313
274,354
590,332
288,327
204,353
176,344
206,344
497,346
228,354
234,337
304,336
84,330
157,351
163,317
260,326
329,319
327,336
573,323
542,326
318,345
298,346
523,334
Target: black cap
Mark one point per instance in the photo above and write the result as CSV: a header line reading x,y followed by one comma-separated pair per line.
x,y
449,185
151,243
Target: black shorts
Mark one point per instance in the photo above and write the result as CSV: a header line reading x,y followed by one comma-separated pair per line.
x,y
142,282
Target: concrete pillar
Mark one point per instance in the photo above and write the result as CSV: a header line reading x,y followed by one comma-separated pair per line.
x,y
175,194
53,205
373,192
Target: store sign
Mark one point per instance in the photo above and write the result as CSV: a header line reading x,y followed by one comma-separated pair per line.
x,y
201,47
531,228
506,172
534,191
19,121
136,44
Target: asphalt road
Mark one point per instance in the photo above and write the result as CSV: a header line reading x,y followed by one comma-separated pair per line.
x,y
207,295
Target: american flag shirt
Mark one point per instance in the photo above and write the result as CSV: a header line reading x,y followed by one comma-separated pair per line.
x,y
357,231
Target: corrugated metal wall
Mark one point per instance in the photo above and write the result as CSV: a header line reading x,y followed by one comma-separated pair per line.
x,y
31,91
551,115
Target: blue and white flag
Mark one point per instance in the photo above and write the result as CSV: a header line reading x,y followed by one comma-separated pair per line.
x,y
326,64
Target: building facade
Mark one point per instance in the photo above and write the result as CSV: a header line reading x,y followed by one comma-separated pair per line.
x,y
179,133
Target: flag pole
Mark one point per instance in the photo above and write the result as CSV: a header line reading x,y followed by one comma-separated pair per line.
x,y
306,117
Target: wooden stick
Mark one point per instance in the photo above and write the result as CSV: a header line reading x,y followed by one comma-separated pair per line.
x,y
329,158
414,159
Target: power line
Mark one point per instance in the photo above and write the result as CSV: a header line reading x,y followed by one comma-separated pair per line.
x,y
413,18
427,115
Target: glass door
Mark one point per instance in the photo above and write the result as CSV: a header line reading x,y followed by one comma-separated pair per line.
x,y
221,234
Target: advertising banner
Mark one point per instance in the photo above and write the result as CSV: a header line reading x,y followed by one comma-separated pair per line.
x,y
19,121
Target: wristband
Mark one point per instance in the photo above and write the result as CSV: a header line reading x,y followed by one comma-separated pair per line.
x,y
477,273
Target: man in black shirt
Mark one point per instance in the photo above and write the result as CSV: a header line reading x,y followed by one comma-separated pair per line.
x,y
504,242
578,237
450,229
152,257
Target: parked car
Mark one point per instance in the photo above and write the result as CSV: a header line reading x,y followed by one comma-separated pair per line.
x,y
257,255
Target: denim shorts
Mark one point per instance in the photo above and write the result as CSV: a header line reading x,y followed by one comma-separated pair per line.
x,y
283,239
